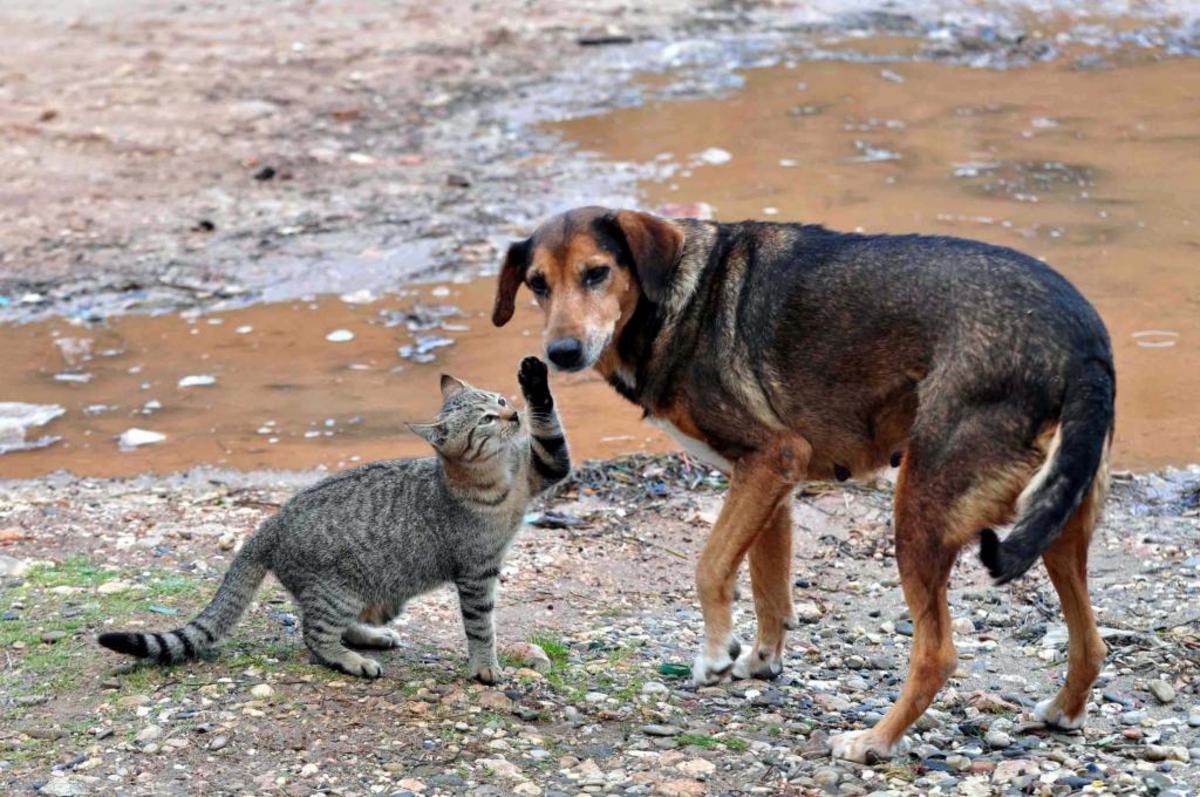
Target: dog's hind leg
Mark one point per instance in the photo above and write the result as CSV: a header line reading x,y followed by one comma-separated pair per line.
x,y
942,501
771,580
1066,562
761,481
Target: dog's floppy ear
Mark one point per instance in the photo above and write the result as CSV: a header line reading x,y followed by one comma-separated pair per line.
x,y
512,274
656,246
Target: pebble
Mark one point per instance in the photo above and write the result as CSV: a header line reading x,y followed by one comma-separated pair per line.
x,y
827,776
1163,692
661,730
62,787
697,767
495,700
50,637
997,740
655,688
529,655
218,742
261,691
114,587
149,733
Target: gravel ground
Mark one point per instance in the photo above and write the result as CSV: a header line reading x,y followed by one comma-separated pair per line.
x,y
601,581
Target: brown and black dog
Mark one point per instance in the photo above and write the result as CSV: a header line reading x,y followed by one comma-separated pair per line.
x,y
787,352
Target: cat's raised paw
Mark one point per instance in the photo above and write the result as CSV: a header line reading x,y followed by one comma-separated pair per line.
x,y
534,379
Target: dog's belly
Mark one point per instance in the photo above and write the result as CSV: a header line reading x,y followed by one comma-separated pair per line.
x,y
696,448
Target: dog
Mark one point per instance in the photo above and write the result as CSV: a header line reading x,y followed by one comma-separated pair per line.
x,y
781,353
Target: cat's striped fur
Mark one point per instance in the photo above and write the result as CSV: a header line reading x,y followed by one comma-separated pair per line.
x,y
355,547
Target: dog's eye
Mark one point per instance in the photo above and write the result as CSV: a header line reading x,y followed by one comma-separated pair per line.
x,y
595,275
537,284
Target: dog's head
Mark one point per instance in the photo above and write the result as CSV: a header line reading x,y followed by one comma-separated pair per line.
x,y
588,268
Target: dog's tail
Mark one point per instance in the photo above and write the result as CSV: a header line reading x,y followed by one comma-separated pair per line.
x,y
212,624
1059,487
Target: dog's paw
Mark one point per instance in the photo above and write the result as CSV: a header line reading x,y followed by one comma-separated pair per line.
x,y
534,379
1049,713
758,663
488,673
712,670
865,747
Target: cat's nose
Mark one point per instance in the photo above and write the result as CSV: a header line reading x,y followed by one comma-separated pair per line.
x,y
509,414
566,353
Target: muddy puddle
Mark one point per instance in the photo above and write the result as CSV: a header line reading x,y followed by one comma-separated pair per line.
x,y
293,385
1094,170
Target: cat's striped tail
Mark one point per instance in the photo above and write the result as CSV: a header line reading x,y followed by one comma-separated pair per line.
x,y
211,625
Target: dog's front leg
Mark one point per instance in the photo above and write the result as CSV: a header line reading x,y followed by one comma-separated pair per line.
x,y
761,481
771,580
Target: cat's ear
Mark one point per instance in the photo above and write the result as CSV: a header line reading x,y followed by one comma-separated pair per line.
x,y
432,433
452,386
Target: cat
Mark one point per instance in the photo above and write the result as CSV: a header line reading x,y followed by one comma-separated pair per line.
x,y
353,548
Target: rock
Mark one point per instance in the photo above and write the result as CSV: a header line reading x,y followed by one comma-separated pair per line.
x,y
661,730
261,691
114,587
1163,692
502,768
699,768
529,655
527,789
134,438
62,787
1133,717
1194,717
50,637
809,612
411,784
655,688
681,788
595,697
997,740
219,742
963,625
1008,771
827,776
958,762
14,568
904,627
308,770
149,733
495,700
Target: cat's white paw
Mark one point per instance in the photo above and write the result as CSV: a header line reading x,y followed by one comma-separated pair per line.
x,y
352,663
1048,712
758,663
865,747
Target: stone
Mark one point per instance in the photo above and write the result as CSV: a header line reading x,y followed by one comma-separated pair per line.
x,y
1163,692
681,788
115,587
495,700
655,688
997,740
661,730
697,767
826,776
62,787
149,733
261,691
502,768
809,611
411,784
529,655
14,568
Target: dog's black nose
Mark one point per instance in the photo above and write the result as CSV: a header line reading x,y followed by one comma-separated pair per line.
x,y
566,353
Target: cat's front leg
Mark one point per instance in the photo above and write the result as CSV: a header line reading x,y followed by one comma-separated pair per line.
x,y
477,600
550,461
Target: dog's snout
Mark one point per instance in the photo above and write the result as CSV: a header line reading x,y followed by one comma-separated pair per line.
x,y
566,353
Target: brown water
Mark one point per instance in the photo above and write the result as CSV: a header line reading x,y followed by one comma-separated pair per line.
x,y
284,396
1097,172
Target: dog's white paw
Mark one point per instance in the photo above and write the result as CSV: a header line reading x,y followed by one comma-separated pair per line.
x,y
758,663
711,670
865,747
1048,712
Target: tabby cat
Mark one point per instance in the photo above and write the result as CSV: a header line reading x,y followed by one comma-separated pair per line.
x,y
355,547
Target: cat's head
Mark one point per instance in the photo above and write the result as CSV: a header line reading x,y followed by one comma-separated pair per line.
x,y
473,425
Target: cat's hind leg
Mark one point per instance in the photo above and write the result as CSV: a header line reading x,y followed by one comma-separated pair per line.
x,y
328,614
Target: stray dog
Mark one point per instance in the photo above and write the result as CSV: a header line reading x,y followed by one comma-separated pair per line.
x,y
787,352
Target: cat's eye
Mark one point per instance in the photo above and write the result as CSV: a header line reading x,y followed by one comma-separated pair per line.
x,y
538,284
489,418
595,275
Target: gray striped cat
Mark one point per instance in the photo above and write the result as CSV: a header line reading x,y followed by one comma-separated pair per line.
x,y
355,547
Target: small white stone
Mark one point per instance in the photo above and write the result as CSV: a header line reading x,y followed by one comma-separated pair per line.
x,y
340,336
261,691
